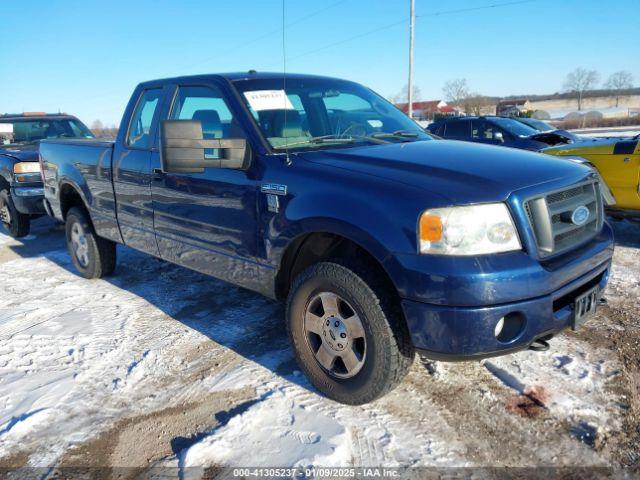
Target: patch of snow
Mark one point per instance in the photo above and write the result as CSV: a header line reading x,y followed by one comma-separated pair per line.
x,y
275,431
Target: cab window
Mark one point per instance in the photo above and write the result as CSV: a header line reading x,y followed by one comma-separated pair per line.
x,y
207,105
139,135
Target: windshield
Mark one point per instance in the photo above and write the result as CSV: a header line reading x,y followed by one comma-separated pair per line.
x,y
319,113
515,127
28,130
537,124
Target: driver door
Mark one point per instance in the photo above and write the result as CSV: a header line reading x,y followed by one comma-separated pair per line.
x,y
207,221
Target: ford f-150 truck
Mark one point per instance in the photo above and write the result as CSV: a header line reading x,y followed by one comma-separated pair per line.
x,y
382,240
21,191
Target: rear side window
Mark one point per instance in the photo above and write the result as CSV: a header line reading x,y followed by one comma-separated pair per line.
x,y
142,119
457,129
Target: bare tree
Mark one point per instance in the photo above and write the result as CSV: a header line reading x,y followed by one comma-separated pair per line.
x,y
403,94
474,103
579,81
455,91
97,127
102,130
619,81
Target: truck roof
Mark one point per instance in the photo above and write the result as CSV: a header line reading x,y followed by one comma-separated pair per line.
x,y
8,116
233,76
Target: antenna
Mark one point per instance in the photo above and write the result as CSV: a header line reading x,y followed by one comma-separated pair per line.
x,y
410,84
287,160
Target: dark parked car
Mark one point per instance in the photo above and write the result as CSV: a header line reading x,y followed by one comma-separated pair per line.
x,y
491,130
21,191
316,190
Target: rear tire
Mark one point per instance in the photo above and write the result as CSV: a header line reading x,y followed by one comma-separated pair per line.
x,y
93,256
17,224
354,368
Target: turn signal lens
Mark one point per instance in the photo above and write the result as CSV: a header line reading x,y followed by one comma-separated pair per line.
x,y
430,228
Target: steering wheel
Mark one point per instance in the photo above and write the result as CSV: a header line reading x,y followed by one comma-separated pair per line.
x,y
356,130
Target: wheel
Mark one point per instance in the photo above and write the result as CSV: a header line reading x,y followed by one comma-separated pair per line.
x,y
93,256
348,338
16,223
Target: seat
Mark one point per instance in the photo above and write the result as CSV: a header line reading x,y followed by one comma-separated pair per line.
x,y
211,124
211,128
292,127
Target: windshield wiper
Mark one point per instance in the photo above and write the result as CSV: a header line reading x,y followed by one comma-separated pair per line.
x,y
333,138
396,134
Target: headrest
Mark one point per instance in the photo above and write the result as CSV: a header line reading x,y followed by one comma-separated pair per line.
x,y
211,124
293,127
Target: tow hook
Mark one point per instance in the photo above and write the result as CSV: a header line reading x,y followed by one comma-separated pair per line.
x,y
602,301
539,346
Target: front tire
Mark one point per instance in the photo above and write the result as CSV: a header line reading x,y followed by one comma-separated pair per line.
x,y
348,337
93,256
16,224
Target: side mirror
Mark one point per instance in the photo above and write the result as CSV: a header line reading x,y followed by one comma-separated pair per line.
x,y
498,137
182,149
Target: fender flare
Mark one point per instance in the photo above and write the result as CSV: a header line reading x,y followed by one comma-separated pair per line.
x,y
294,236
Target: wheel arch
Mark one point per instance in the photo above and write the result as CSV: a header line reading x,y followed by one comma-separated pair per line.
x,y
71,196
314,246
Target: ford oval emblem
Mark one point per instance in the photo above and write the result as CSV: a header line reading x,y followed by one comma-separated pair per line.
x,y
580,215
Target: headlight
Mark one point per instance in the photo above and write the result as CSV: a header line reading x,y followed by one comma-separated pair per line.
x,y
26,172
468,230
26,167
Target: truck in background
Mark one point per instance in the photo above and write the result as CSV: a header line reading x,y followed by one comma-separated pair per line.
x,y
21,192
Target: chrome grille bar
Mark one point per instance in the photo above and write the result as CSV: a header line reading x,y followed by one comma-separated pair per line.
x,y
552,217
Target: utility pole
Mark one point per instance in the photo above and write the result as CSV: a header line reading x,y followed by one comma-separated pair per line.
x,y
410,84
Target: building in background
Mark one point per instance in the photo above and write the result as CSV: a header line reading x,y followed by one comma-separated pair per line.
x,y
514,108
429,110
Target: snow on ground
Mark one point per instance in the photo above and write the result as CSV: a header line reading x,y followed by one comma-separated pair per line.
x,y
628,131
160,366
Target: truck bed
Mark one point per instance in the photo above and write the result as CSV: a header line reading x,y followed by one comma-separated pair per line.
x,y
85,165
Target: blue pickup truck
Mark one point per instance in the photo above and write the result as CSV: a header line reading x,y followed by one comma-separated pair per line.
x,y
383,240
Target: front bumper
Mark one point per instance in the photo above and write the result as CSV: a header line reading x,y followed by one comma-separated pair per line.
x,y
28,200
467,333
452,305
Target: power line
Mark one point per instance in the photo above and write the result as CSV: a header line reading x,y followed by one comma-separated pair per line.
x,y
243,45
349,39
266,35
400,22
471,9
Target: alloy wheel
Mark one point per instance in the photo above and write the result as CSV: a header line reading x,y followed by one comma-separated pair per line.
x,y
80,244
335,335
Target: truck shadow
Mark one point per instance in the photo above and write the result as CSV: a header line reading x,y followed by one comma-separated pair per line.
x,y
251,325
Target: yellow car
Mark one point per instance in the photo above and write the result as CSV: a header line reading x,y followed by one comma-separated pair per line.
x,y
617,161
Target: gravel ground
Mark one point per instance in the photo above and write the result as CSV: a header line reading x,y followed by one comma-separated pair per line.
x,y
159,366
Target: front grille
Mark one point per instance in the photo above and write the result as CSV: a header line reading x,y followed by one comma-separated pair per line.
x,y
550,216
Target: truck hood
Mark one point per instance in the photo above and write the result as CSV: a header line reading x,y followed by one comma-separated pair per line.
x,y
461,172
553,137
600,146
22,153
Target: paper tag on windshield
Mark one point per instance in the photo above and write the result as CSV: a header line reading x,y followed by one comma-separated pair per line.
x,y
268,100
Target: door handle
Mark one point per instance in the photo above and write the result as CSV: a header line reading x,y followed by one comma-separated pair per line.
x,y
158,174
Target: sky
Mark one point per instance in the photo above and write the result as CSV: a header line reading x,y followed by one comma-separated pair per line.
x,y
85,56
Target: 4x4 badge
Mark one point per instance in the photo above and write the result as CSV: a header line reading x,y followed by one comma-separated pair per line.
x,y
274,188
